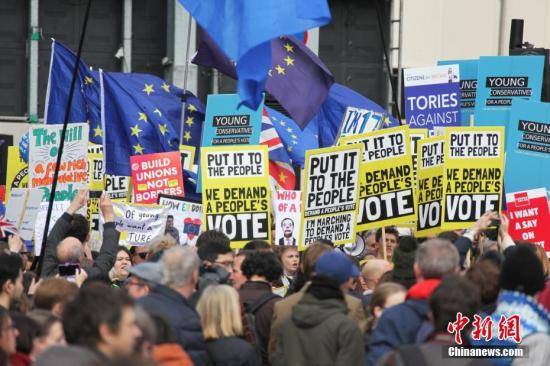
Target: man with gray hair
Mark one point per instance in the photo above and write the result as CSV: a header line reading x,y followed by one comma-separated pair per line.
x,y
399,325
180,272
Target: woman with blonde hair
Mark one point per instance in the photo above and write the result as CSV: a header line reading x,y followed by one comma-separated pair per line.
x,y
384,296
220,313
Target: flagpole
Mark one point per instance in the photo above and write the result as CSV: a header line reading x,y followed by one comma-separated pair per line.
x,y
387,59
185,72
62,141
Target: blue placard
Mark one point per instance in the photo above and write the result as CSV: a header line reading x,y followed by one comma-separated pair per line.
x,y
528,146
432,96
468,85
503,79
227,123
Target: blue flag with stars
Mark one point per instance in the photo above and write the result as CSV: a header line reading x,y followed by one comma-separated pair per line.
x,y
85,106
243,29
141,114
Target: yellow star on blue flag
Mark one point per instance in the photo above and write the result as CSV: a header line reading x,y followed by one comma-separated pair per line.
x,y
148,89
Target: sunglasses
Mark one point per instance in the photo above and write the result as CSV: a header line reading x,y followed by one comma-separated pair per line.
x,y
142,255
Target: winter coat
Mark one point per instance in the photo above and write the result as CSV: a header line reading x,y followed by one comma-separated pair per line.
x,y
399,324
170,354
101,265
184,320
319,332
283,309
232,351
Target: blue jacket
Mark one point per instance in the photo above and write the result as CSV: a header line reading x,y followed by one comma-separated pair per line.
x,y
169,304
397,326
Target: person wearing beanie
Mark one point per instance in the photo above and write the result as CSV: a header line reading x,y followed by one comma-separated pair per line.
x,y
403,261
319,331
521,278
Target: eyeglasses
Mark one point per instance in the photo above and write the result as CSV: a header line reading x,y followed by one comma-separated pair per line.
x,y
142,255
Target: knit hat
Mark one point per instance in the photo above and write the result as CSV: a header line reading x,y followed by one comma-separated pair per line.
x,y
522,271
403,259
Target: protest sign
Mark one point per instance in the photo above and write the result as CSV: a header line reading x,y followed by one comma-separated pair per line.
x,y
474,164
528,146
153,174
287,211
329,196
415,135
357,121
118,187
187,154
95,167
22,208
503,79
429,185
529,216
43,149
432,96
17,175
226,123
58,208
386,184
236,192
138,223
468,85
187,217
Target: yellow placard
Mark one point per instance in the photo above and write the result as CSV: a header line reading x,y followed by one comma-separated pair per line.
x,y
17,175
236,192
187,156
429,190
329,195
386,184
474,170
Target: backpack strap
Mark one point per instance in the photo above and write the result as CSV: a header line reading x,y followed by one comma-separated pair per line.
x,y
255,306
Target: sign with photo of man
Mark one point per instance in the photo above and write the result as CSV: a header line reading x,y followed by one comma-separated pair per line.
x,y
287,211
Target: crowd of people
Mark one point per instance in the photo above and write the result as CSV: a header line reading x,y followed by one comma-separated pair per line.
x,y
167,304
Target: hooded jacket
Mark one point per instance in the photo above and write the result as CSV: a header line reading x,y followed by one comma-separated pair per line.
x,y
319,332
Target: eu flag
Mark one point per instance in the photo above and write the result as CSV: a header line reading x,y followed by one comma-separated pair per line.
x,y
243,29
298,79
85,106
141,114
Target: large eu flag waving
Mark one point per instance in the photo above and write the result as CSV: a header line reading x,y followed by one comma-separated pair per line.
x,y
243,29
141,114
85,106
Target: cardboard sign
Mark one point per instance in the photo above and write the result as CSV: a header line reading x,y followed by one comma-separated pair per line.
x,y
287,211
529,216
528,146
474,170
18,171
138,224
357,121
503,79
118,187
44,143
386,184
22,208
226,123
187,217
236,192
432,96
468,85
95,167
329,196
430,185
187,154
58,208
153,174
415,135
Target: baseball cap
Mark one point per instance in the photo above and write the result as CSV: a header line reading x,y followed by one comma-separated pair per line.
x,y
336,265
148,271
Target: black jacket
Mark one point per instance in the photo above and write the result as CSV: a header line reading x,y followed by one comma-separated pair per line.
x,y
102,264
232,351
182,317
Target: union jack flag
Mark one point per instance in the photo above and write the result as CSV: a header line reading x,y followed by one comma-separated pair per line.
x,y
280,167
6,228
